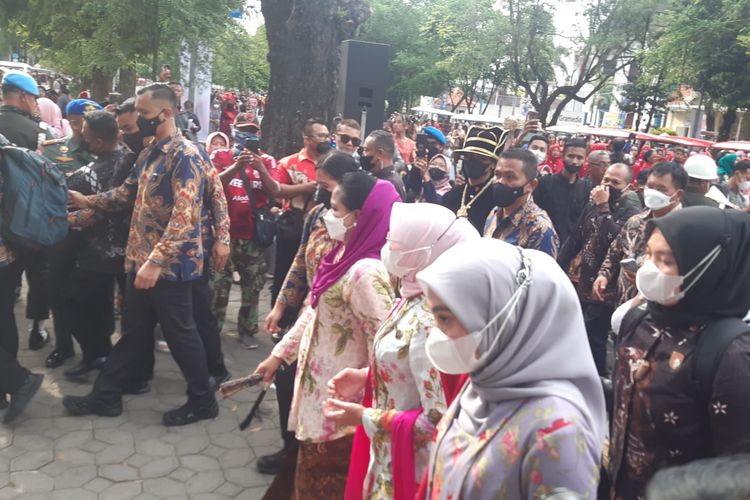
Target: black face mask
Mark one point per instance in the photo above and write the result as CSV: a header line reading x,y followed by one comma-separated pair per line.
x,y
367,162
134,141
474,169
323,196
323,147
614,195
148,126
504,196
436,174
570,168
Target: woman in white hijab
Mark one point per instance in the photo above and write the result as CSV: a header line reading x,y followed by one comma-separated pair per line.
x,y
531,418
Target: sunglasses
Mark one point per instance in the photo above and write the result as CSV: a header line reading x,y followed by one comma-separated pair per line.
x,y
345,139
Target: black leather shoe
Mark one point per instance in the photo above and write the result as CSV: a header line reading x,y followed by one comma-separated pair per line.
x,y
85,367
214,381
87,405
38,339
137,389
57,358
271,464
191,412
21,398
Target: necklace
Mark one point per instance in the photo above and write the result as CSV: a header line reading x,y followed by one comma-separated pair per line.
x,y
464,210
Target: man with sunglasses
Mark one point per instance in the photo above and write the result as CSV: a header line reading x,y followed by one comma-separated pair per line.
x,y
347,137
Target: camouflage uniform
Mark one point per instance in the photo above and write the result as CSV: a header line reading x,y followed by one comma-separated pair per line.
x,y
249,261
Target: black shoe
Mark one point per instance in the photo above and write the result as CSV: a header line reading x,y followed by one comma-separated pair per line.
x,y
87,405
38,339
271,464
214,381
85,367
137,389
3,402
191,412
57,358
21,398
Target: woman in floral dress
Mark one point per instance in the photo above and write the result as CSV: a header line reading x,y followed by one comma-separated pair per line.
x,y
408,394
350,297
531,419
696,272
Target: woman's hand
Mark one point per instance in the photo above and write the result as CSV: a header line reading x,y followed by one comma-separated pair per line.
x,y
343,413
271,324
268,368
348,383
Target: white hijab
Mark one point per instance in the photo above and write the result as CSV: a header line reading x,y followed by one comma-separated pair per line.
x,y
544,350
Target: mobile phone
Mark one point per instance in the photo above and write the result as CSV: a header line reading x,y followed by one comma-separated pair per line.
x,y
421,149
253,145
532,115
629,265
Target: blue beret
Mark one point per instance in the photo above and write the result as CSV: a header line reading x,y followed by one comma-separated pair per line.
x,y
22,82
435,134
81,106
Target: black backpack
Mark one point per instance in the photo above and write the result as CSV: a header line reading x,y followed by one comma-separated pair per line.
x,y
712,342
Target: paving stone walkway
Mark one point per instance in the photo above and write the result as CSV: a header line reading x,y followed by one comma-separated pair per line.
x,y
48,455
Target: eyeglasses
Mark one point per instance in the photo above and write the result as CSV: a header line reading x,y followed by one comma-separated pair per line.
x,y
345,139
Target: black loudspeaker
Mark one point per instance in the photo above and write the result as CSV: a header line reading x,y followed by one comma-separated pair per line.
x,y
364,78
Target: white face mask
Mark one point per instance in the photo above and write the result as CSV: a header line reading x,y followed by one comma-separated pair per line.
x,y
664,289
744,187
656,200
335,225
461,355
391,259
541,156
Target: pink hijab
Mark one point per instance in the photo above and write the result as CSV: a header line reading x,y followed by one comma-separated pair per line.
x,y
421,225
367,239
52,116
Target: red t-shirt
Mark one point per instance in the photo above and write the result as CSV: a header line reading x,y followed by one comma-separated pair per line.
x,y
241,219
296,169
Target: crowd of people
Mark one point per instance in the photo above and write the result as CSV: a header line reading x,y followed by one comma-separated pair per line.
x,y
479,314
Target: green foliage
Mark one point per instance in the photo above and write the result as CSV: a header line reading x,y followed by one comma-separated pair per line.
x,y
660,131
87,37
240,60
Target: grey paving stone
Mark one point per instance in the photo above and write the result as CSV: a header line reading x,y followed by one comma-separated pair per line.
x,y
190,445
75,457
199,463
75,477
182,474
246,477
236,458
74,439
31,481
114,454
251,494
159,467
4,478
74,494
31,460
113,436
154,448
229,489
204,482
229,440
163,487
6,438
93,446
97,485
118,472
4,464
138,460
33,442
121,491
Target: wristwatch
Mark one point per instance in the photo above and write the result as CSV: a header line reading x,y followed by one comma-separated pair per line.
x,y
153,261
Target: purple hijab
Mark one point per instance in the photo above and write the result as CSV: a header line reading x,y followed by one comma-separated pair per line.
x,y
367,239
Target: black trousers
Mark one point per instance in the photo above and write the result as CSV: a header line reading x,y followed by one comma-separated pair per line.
x,y
284,391
62,264
598,316
286,249
169,303
12,374
90,298
36,265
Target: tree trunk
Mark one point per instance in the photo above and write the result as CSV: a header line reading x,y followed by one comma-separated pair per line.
x,y
101,85
303,53
726,124
127,82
